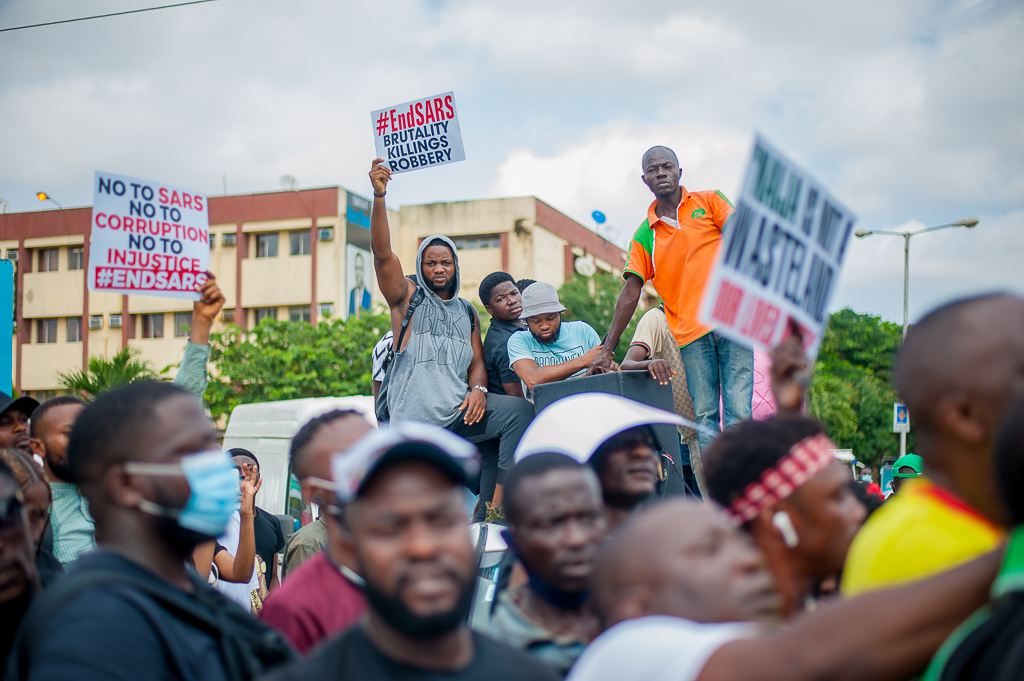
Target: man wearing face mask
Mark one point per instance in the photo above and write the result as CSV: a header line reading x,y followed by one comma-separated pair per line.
x,y
405,530
146,459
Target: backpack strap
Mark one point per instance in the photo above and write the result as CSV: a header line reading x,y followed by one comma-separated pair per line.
x,y
472,314
416,299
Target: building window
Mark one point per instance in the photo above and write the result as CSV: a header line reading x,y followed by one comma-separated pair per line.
x,y
182,324
266,313
153,325
475,242
266,245
47,331
48,258
326,309
74,329
76,257
299,313
300,242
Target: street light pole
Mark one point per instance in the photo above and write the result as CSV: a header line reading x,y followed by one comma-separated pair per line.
x,y
969,223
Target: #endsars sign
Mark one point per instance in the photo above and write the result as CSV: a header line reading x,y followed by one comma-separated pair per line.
x,y
148,238
779,257
418,134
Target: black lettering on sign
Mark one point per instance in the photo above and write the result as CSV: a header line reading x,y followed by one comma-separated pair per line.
x,y
809,210
777,187
819,284
829,226
740,230
844,241
759,265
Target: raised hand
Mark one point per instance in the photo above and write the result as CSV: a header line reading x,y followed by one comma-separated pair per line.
x,y
379,176
251,483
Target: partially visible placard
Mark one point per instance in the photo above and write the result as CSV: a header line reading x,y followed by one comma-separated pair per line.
x,y
419,134
148,238
779,258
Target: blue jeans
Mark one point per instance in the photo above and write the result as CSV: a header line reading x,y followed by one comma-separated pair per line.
x,y
717,368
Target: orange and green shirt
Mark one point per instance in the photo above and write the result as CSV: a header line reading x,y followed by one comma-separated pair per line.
x,y
921,531
678,260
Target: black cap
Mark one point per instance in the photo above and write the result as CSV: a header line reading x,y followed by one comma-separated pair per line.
x,y
26,405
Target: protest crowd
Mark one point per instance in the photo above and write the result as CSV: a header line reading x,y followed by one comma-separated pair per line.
x,y
134,547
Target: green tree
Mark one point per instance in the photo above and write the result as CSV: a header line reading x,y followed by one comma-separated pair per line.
x,y
592,300
289,360
853,376
104,374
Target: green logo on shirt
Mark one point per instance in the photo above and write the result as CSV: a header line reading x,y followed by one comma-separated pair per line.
x,y
699,213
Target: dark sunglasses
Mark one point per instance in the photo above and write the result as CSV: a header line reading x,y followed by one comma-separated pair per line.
x,y
11,508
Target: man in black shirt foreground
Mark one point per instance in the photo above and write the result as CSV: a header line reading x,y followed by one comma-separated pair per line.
x,y
145,456
405,531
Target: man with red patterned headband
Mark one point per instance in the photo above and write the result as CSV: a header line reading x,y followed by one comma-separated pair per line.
x,y
779,479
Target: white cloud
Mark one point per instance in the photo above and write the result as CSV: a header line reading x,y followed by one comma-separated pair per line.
x,y
906,110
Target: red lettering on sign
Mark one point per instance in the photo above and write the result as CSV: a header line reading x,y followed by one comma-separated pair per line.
x,y
727,304
163,195
448,106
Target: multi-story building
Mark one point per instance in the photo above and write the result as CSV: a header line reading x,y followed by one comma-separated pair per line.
x,y
299,255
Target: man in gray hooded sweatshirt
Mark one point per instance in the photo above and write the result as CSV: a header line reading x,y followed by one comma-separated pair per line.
x,y
438,375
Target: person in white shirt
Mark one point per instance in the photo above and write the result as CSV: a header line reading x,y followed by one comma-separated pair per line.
x,y
679,589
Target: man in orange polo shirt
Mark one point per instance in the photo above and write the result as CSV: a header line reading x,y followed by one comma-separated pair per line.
x,y
675,249
958,371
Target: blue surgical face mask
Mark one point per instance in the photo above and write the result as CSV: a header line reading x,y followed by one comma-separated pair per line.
x,y
866,478
213,481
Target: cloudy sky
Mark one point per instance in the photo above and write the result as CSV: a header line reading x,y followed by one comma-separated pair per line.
x,y
908,111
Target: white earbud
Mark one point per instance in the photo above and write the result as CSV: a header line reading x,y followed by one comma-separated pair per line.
x,y
784,524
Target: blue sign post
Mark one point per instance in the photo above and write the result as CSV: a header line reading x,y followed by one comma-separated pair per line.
x,y
6,325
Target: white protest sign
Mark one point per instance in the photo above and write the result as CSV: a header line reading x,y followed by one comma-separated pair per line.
x,y
419,134
779,257
148,238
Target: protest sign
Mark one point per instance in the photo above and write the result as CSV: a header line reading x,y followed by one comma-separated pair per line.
x,y
419,134
779,257
148,238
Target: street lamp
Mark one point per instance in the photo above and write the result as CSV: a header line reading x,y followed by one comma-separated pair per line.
x,y
43,196
969,223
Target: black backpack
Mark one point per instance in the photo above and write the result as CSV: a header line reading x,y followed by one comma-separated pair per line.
x,y
248,647
382,412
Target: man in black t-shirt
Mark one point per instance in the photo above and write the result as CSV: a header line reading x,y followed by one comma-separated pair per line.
x,y
405,531
504,303
146,459
266,527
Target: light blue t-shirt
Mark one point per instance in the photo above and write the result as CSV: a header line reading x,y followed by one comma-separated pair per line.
x,y
575,339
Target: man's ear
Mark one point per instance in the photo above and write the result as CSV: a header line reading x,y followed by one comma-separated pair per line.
x,y
121,488
342,542
633,601
961,417
37,447
489,310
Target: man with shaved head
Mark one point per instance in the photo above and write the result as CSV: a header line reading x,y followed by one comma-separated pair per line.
x,y
958,372
680,588
674,249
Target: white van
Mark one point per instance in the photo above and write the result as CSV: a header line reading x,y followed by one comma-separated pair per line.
x,y
266,429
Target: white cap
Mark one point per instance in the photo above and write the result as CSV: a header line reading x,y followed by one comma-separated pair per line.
x,y
577,425
406,440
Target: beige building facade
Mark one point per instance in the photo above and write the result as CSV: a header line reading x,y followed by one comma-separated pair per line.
x,y
295,255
